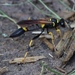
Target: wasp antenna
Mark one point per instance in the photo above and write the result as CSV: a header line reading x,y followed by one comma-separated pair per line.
x,y
17,33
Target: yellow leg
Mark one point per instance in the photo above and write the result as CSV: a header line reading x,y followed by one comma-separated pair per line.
x,y
50,33
25,56
59,32
30,44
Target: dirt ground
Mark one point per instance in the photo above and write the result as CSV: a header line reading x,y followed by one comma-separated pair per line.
x,y
12,48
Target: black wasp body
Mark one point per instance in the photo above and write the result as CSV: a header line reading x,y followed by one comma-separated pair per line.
x,y
55,23
44,23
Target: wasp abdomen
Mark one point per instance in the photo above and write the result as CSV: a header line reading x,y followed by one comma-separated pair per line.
x,y
17,33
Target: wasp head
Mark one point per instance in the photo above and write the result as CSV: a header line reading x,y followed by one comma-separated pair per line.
x,y
62,22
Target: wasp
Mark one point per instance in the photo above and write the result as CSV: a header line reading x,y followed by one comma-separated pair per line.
x,y
43,24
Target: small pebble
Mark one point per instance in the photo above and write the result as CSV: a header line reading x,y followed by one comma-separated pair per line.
x,y
4,35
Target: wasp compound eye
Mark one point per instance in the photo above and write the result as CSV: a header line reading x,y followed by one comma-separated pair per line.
x,y
62,22
17,33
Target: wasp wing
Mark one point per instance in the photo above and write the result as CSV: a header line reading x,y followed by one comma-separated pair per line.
x,y
30,22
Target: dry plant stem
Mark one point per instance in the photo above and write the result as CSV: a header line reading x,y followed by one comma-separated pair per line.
x,y
27,59
61,46
50,46
70,49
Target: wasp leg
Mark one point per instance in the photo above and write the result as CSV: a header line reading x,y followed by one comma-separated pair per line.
x,y
50,33
47,30
30,43
59,32
25,56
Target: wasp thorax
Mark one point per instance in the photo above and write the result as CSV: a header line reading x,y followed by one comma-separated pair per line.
x,y
54,20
